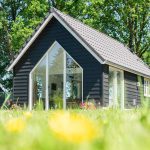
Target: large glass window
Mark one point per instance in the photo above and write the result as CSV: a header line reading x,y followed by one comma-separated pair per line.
x,y
116,88
56,81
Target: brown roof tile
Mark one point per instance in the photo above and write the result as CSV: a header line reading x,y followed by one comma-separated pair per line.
x,y
108,48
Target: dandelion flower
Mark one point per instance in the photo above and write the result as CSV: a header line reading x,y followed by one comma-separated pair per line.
x,y
15,125
73,127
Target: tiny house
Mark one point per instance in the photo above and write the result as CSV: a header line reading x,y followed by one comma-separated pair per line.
x,y
66,61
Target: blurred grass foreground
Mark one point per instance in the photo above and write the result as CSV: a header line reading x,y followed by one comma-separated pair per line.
x,y
110,129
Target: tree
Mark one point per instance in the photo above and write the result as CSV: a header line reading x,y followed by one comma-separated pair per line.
x,y
5,48
125,20
18,18
26,22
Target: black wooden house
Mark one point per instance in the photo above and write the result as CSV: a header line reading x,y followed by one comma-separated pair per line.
x,y
68,61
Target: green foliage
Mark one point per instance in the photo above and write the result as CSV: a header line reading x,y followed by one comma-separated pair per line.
x,y
4,106
26,22
120,130
58,100
18,19
19,33
39,105
126,21
4,49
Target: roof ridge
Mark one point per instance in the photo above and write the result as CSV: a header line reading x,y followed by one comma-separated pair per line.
x,y
78,34
55,10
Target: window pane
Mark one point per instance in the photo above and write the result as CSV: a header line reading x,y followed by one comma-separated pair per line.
x,y
116,92
73,81
144,87
39,84
56,74
148,88
111,87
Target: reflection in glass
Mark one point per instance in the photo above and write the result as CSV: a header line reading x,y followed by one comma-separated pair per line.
x,y
116,92
111,87
57,80
39,84
73,80
56,75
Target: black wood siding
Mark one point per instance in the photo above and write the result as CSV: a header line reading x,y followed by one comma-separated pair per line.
x,y
105,85
132,90
92,69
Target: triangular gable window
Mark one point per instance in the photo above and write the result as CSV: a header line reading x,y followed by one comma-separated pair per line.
x,y
56,81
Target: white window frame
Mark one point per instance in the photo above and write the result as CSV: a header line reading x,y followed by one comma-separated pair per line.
x,y
115,87
55,44
146,87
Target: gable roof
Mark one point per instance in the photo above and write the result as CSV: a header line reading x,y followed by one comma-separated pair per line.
x,y
104,48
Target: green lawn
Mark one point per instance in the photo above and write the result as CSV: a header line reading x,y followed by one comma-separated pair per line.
x,y
75,130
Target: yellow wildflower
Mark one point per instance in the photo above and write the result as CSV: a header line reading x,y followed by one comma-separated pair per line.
x,y
15,125
73,127
27,115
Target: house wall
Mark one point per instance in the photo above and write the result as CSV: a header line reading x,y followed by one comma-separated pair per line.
x,y
132,92
105,85
92,69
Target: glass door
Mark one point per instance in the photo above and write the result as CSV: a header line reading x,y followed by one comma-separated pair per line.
x,y
116,88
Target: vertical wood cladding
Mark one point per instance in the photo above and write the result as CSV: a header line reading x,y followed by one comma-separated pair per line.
x,y
54,31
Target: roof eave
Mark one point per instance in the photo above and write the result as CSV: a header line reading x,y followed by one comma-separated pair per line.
x,y
126,69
